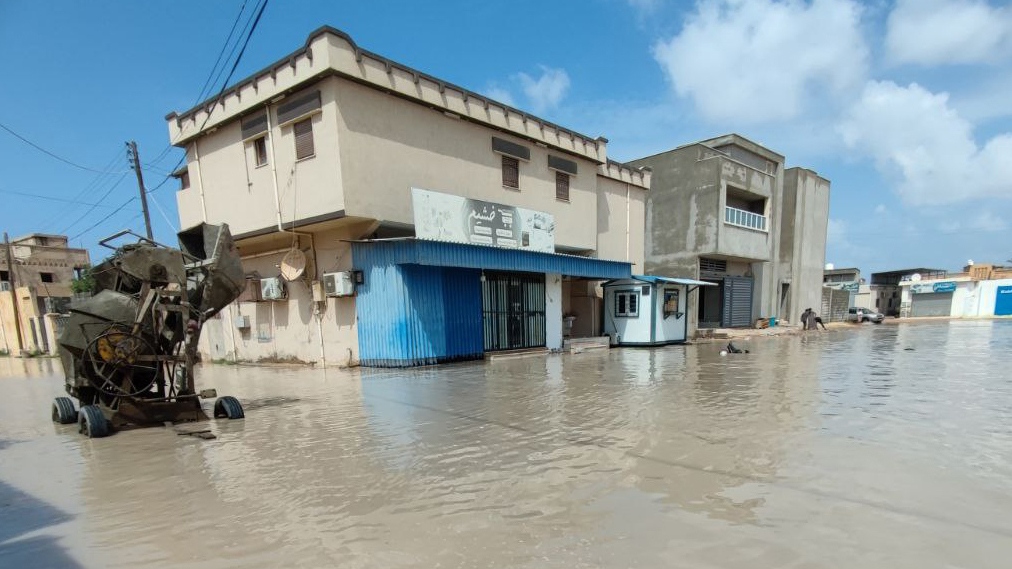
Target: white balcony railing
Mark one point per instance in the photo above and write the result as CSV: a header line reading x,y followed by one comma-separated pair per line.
x,y
746,219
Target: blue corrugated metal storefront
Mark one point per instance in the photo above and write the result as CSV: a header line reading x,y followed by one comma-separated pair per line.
x,y
421,301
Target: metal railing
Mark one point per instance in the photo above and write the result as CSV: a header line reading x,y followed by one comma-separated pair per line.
x,y
746,219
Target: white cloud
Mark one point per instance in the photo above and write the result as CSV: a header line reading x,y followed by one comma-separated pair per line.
x,y
501,95
989,222
933,32
546,91
926,147
761,60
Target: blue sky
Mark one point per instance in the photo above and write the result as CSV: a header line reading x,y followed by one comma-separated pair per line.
x,y
904,105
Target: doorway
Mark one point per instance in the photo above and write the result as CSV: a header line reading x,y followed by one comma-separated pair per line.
x,y
513,310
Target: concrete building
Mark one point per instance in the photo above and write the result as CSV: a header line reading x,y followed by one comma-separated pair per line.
x,y
387,186
883,292
726,211
43,268
978,291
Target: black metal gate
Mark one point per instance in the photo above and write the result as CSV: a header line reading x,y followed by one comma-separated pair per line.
x,y
513,307
737,302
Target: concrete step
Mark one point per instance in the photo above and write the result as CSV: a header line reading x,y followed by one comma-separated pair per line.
x,y
578,345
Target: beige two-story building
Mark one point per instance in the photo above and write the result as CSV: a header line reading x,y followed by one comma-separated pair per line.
x,y
387,216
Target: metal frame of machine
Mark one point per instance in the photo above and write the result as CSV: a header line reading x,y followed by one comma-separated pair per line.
x,y
128,351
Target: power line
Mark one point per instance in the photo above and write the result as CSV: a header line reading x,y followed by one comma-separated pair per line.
x,y
208,82
54,155
99,222
100,200
51,198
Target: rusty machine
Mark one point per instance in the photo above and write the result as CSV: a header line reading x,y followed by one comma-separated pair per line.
x,y
129,350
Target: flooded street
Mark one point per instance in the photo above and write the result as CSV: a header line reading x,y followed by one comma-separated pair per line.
x,y
880,446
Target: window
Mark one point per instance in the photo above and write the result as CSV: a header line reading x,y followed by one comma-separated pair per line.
x,y
877,302
260,150
47,277
304,139
627,304
5,276
562,186
510,172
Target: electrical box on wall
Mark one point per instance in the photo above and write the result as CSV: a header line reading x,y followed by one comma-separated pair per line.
x,y
242,322
273,289
339,284
318,292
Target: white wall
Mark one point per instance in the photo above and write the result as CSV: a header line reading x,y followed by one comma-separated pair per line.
x,y
629,329
553,311
672,328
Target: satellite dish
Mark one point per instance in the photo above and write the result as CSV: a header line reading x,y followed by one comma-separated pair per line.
x,y
293,265
916,277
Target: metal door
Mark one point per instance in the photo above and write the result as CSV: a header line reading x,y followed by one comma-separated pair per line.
x,y
1003,301
513,309
931,304
737,302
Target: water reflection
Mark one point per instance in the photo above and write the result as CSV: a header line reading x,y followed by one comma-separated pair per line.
x,y
837,449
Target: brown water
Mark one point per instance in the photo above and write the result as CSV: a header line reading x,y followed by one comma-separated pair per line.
x,y
884,446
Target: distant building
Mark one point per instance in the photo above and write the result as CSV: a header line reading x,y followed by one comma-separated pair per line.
x,y
43,269
979,291
726,211
883,292
841,277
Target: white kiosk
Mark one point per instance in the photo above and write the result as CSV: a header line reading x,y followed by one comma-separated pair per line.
x,y
647,310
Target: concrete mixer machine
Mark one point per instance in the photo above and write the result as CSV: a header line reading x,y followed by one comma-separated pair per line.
x,y
129,350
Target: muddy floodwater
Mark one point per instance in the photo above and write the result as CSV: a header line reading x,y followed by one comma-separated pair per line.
x,y
876,446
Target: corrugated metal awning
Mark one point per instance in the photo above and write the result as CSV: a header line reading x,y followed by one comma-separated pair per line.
x,y
440,254
671,280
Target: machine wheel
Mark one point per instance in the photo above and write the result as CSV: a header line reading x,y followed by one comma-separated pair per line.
x,y
229,407
63,411
91,422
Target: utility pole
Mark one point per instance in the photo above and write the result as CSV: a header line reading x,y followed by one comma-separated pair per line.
x,y
132,153
13,291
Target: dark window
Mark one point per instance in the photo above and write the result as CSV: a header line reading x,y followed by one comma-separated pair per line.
x,y
510,172
303,139
47,277
184,180
260,150
5,276
562,186
877,302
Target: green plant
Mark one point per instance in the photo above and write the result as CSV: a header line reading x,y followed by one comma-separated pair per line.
x,y
84,284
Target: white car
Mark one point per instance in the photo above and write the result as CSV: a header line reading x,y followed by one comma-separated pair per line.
x,y
860,315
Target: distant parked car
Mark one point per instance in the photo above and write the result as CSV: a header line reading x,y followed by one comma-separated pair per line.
x,y
860,315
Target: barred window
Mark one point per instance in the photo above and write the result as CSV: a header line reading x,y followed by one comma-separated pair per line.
x,y
304,139
626,304
562,186
510,172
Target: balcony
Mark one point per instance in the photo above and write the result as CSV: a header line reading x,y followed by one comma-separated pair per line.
x,y
746,219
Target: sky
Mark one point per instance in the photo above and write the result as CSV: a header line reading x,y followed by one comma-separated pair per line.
x,y
905,105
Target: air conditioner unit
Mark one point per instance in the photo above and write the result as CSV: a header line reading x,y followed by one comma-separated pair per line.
x,y
339,284
242,322
273,289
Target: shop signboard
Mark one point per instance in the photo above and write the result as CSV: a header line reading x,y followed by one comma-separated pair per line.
x,y
944,286
456,219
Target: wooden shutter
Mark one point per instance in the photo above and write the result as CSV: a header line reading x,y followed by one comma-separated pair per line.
x,y
562,186
510,172
304,139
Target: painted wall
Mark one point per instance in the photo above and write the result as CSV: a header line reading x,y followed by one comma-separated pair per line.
x,y
238,192
389,145
621,211
553,311
672,327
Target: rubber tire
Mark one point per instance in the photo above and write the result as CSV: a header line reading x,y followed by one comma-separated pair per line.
x,y
92,423
228,407
63,411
